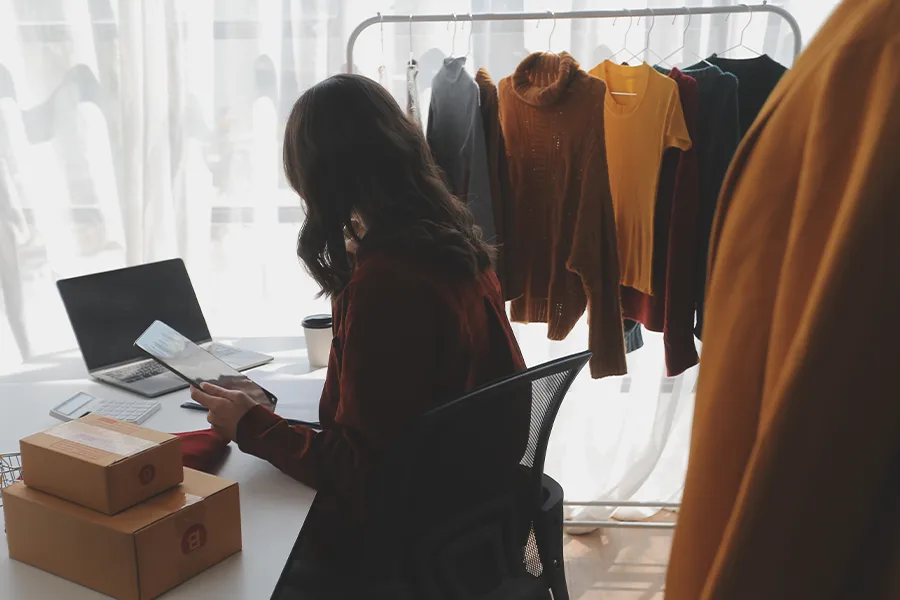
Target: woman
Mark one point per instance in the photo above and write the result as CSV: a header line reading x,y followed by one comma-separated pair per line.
x,y
418,314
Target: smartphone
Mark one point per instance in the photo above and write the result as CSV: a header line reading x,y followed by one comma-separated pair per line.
x,y
197,365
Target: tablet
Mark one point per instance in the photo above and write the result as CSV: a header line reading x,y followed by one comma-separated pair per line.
x,y
195,364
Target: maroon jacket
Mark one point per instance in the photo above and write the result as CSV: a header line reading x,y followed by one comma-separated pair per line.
x,y
410,334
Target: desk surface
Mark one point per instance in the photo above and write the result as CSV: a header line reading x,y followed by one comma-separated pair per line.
x,y
273,506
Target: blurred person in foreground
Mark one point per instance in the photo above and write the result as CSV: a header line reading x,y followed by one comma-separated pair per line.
x,y
792,488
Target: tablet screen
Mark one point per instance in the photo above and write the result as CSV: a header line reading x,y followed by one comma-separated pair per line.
x,y
195,364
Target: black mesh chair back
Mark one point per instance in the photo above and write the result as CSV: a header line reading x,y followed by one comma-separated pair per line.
x,y
455,504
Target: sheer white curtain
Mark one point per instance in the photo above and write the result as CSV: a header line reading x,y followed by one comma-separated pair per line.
x,y
132,131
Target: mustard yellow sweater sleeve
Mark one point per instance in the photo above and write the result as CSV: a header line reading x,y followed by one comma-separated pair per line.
x,y
792,488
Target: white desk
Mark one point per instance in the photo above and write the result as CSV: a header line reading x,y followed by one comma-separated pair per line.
x,y
273,506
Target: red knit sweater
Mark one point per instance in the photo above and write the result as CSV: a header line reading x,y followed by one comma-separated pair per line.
x,y
560,231
410,334
671,310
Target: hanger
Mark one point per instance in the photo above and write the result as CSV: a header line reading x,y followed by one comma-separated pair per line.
x,y
411,55
552,29
471,30
684,42
381,67
625,39
624,48
740,43
647,48
455,26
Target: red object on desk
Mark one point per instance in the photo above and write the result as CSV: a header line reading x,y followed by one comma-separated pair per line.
x,y
203,450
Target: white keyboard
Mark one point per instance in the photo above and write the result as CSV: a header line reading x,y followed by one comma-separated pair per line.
x,y
131,410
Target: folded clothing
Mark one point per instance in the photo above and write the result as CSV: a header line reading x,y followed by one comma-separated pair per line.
x,y
203,450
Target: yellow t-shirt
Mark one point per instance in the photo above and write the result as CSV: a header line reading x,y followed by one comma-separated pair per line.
x,y
638,130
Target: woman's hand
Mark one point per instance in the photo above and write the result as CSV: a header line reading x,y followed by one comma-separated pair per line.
x,y
226,407
349,243
351,246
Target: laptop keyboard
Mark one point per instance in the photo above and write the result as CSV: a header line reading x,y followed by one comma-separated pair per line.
x,y
132,373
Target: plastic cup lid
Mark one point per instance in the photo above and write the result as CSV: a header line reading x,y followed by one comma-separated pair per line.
x,y
317,322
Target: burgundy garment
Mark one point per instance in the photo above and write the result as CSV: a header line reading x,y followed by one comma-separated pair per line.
x,y
498,172
411,333
671,309
203,450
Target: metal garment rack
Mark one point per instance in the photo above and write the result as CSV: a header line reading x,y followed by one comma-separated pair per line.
x,y
589,14
749,9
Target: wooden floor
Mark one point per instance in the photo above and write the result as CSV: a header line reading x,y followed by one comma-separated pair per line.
x,y
618,564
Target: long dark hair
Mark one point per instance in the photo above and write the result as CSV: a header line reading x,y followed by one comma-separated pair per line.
x,y
349,151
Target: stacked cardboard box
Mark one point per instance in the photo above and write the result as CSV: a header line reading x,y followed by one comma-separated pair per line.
x,y
108,505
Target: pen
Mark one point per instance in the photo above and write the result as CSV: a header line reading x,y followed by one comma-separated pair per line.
x,y
311,424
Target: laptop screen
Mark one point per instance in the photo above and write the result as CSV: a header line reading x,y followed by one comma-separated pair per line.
x,y
109,310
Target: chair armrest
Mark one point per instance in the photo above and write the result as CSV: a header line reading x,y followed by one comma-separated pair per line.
x,y
552,494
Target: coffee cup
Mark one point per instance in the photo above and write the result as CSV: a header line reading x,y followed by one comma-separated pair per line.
x,y
319,334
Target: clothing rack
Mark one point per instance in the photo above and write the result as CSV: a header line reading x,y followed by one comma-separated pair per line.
x,y
589,14
578,14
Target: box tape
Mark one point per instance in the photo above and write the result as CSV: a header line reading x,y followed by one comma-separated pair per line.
x,y
98,438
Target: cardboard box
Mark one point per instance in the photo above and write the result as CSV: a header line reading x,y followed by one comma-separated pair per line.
x,y
137,554
101,463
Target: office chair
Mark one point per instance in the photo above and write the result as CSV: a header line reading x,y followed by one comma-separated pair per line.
x,y
462,509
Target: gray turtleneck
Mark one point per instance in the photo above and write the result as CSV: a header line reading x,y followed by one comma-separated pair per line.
x,y
456,136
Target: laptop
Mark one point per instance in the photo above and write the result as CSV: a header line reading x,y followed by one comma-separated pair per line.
x,y
110,310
